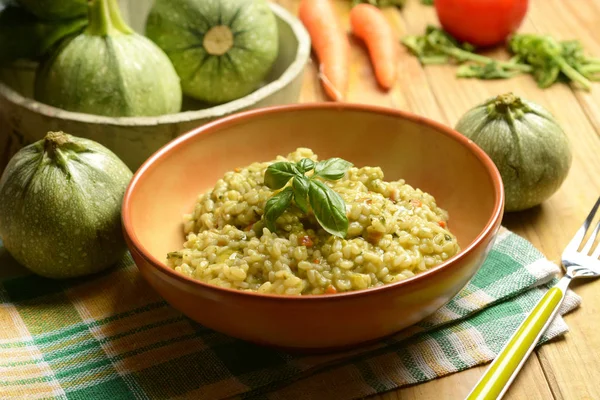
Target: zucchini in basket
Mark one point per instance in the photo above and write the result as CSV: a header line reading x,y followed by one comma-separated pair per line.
x,y
221,49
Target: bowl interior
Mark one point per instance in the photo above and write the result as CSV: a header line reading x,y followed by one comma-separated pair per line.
x,y
422,153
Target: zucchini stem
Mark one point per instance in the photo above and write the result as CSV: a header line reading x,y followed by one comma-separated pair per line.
x,y
53,142
117,19
105,19
218,40
509,106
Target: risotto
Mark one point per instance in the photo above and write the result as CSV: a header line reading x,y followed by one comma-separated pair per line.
x,y
394,232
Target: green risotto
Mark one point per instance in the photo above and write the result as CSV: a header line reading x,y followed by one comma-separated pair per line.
x,y
394,231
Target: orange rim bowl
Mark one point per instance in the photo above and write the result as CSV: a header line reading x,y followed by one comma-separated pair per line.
x,y
432,156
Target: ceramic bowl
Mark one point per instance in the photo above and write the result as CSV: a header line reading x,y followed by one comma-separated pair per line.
x,y
134,139
428,155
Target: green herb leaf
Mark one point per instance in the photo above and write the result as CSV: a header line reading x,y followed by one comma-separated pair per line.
x,y
276,206
332,169
305,165
278,174
300,186
490,70
329,208
438,47
550,59
544,57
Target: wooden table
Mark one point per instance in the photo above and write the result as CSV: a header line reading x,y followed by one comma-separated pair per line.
x,y
568,368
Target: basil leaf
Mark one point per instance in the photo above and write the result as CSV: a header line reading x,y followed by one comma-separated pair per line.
x,y
305,165
332,169
279,173
276,205
329,208
300,187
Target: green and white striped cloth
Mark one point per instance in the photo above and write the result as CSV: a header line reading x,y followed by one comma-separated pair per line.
x,y
111,337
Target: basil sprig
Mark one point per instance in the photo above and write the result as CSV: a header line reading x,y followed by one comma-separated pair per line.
x,y
308,192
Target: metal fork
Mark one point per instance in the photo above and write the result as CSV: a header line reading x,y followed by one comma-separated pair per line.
x,y
577,263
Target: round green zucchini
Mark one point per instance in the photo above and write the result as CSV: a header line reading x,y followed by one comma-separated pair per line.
x,y
60,206
221,49
529,147
109,70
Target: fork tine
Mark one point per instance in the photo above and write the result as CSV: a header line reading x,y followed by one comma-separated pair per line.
x,y
578,238
591,240
596,252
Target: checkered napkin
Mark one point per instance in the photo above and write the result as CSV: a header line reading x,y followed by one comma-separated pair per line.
x,y
111,337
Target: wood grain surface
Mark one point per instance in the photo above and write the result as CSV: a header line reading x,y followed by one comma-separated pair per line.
x,y
568,368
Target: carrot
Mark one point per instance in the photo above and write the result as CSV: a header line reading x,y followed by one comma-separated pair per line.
x,y
369,24
330,44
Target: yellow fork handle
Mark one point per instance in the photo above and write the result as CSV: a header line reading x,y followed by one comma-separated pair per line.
x,y
500,374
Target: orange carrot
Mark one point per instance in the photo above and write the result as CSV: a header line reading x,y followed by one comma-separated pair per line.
x,y
330,44
369,24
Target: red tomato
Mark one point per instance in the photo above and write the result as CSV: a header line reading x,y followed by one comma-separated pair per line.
x,y
481,22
